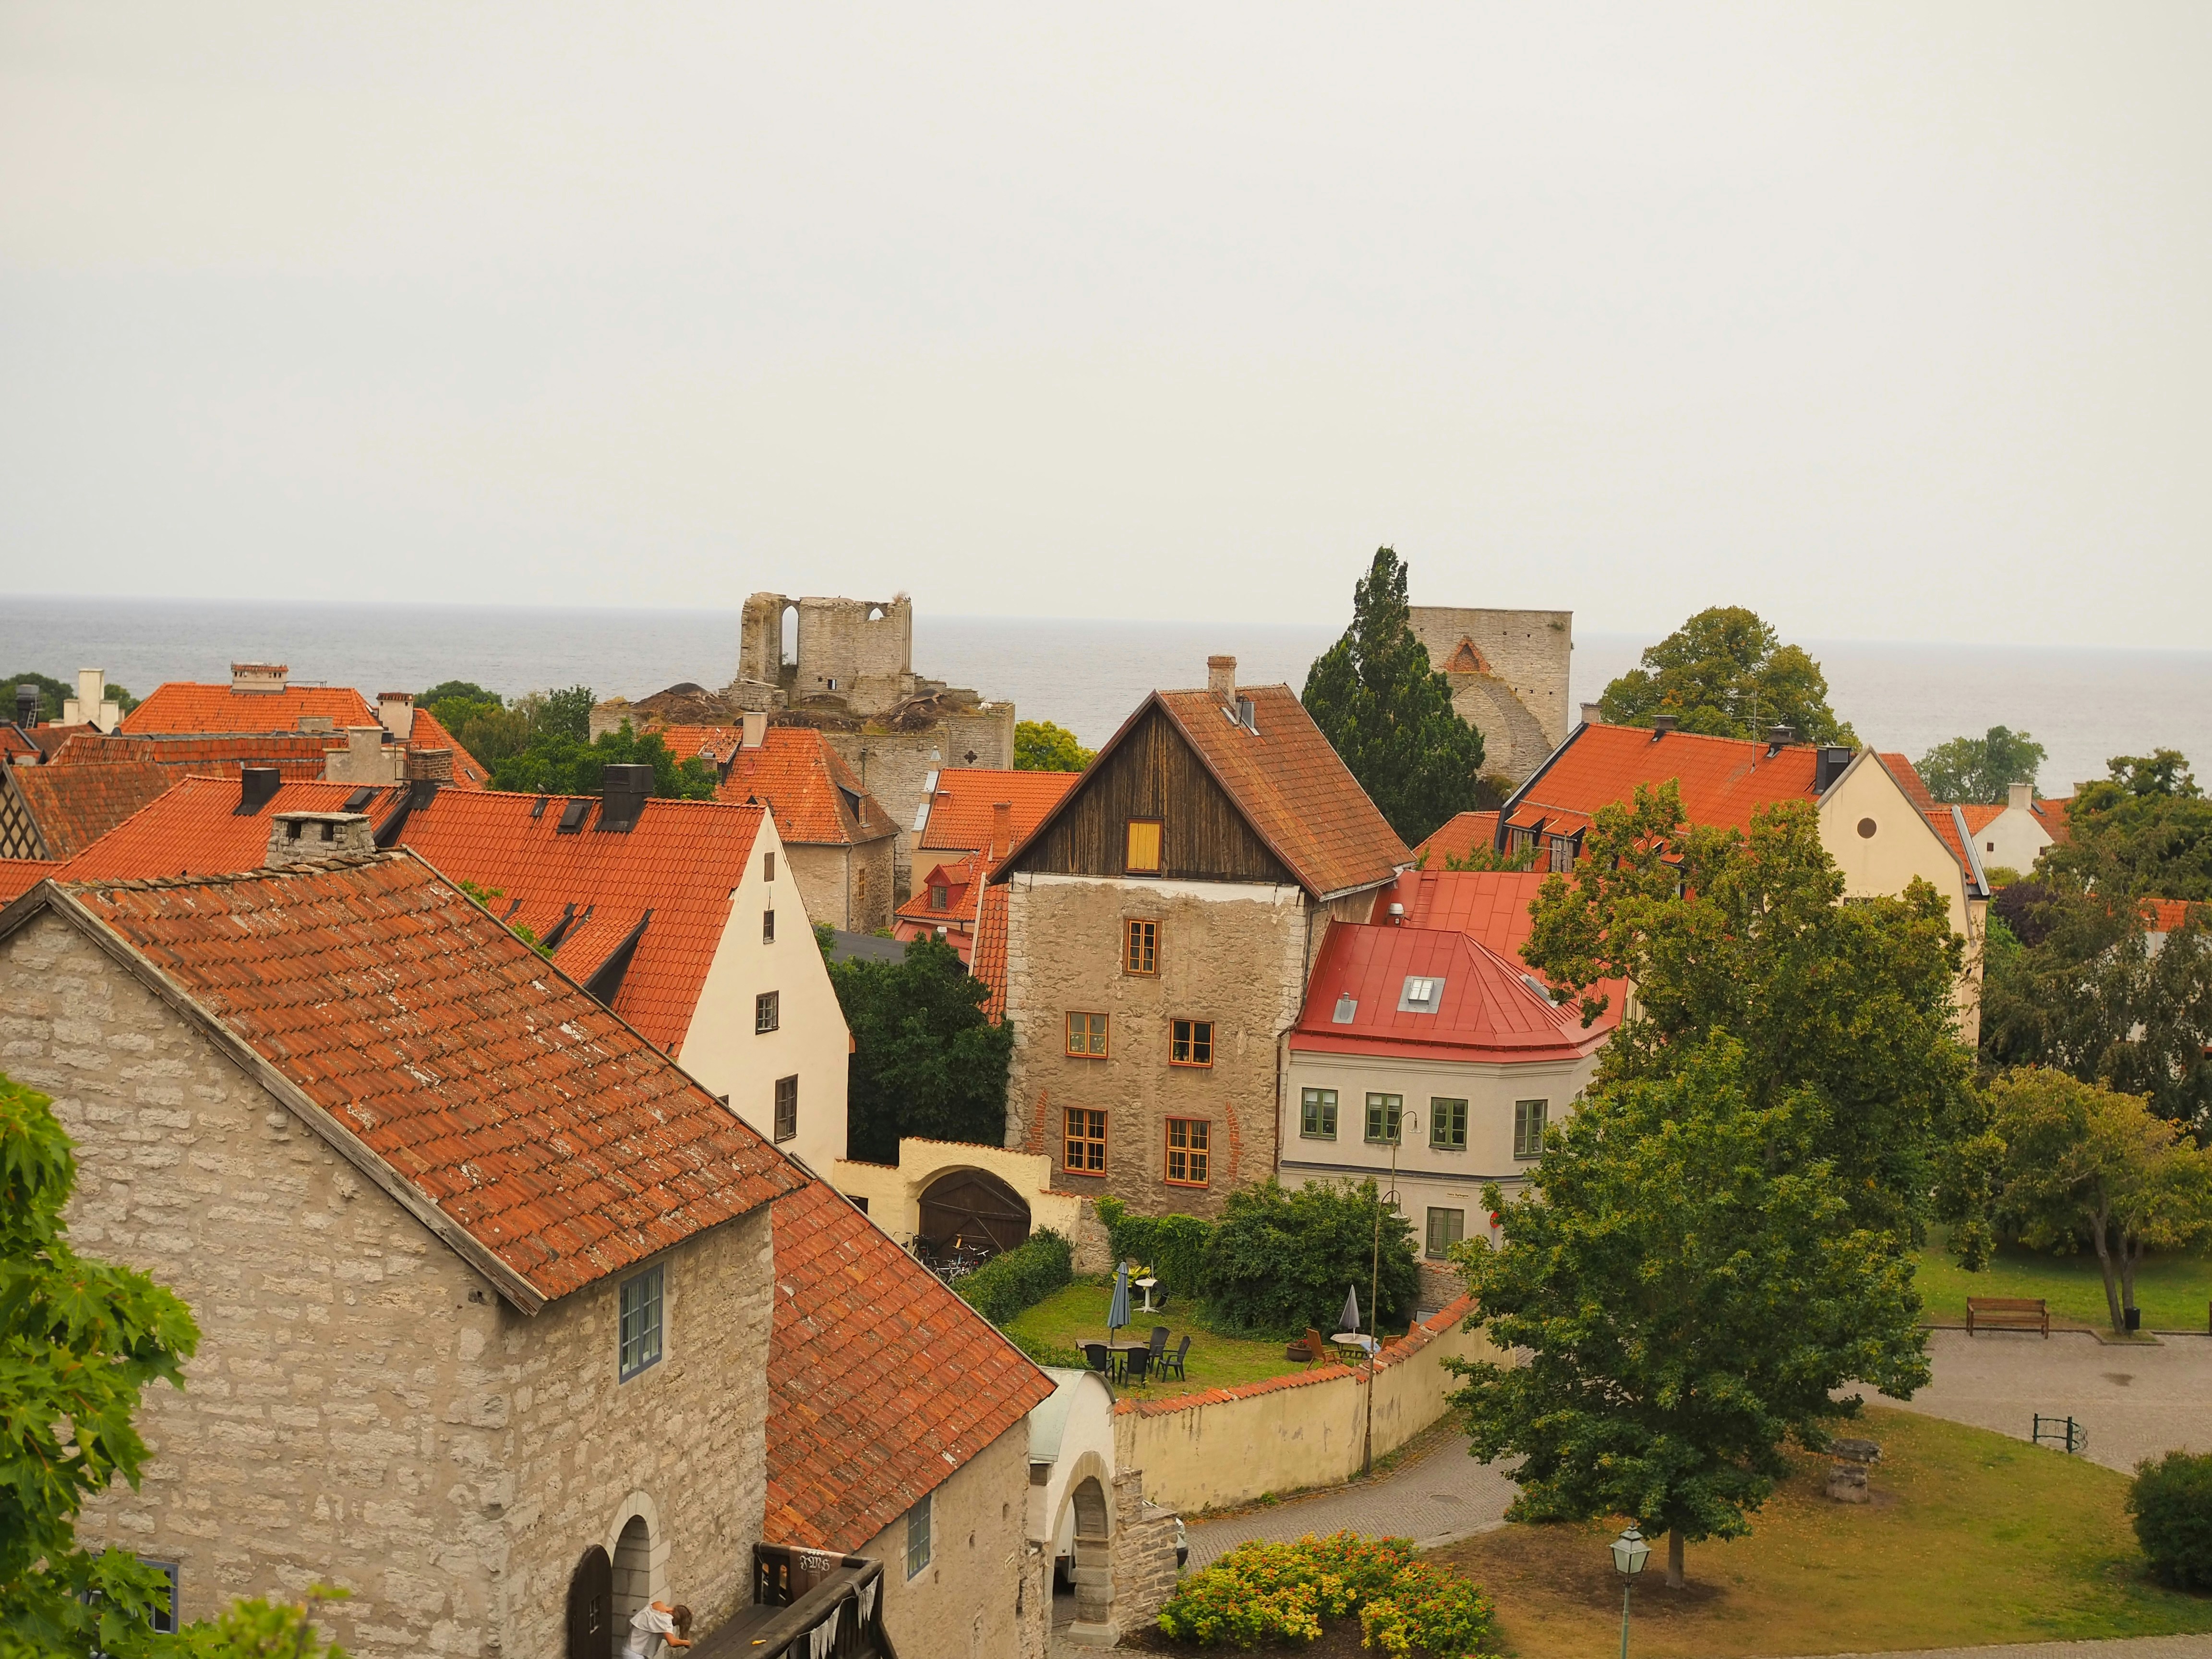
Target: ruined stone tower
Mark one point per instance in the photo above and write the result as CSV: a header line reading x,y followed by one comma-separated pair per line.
x,y
1508,670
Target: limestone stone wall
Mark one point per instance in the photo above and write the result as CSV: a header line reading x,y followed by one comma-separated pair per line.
x,y
1228,953
895,764
363,1409
1145,1568
1525,654
963,1604
850,888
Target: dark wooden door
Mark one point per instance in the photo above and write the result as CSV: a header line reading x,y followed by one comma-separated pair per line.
x,y
591,1607
972,1208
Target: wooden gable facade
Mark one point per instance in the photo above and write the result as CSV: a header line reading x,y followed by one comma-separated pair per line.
x,y
1151,772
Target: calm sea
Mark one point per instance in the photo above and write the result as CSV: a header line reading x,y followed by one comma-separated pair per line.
x,y
2083,706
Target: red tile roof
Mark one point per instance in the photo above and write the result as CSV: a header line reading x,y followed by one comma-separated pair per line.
x,y
15,746
1489,1011
1458,837
74,805
814,795
682,861
882,1383
424,731
960,811
183,706
1723,780
714,744
296,755
2164,916
1909,780
987,961
1957,840
1979,815
2057,818
546,1130
963,878
19,876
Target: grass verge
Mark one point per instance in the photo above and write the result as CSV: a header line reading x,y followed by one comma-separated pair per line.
x,y
1970,1539
2172,1290
1077,1314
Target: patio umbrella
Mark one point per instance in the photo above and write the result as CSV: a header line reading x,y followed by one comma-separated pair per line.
x,y
1349,1319
1118,1315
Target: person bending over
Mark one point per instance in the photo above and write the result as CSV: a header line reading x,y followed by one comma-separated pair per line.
x,y
657,1619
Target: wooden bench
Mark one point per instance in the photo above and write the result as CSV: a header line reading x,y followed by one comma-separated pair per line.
x,y
2008,1313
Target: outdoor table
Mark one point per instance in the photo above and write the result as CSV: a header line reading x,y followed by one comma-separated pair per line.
x,y
1146,1286
1366,1345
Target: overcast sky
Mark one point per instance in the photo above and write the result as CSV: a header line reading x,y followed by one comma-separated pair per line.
x,y
1891,321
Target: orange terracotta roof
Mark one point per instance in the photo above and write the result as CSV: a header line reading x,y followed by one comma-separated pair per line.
x,y
2164,916
882,1382
2056,815
74,805
296,755
1909,780
1723,780
19,876
184,706
1458,837
806,784
682,861
713,744
962,879
425,732
960,810
549,1133
1979,815
988,960
15,746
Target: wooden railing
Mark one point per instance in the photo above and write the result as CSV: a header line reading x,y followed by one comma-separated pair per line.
x,y
797,1593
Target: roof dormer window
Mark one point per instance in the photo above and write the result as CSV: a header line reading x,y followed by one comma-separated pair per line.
x,y
1420,996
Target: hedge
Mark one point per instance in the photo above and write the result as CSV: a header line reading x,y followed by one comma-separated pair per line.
x,y
2172,1503
1020,1279
1172,1246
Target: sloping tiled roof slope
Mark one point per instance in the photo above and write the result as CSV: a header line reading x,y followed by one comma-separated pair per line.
x,y
1908,777
15,746
1291,784
424,731
296,755
196,829
2164,916
987,960
882,1383
960,811
546,1129
2056,817
184,706
1979,815
1723,780
806,784
1457,837
75,805
712,744
1487,1012
19,876
965,872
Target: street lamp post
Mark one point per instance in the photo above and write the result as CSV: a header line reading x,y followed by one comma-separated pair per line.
x,y
1375,1290
1629,1552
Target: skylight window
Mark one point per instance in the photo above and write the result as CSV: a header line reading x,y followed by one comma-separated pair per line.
x,y
1345,1008
1420,996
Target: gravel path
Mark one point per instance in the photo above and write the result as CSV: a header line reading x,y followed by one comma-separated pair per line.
x,y
2132,1647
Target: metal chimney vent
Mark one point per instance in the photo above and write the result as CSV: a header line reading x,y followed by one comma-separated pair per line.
x,y
257,787
1663,724
625,791
1345,1008
26,705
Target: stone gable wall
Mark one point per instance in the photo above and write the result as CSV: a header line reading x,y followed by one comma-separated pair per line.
x,y
894,766
963,1604
1529,652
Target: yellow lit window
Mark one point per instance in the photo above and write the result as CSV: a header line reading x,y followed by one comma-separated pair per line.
x,y
1143,858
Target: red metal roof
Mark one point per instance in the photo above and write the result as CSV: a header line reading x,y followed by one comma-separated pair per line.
x,y
806,784
1490,906
549,1132
1458,837
184,706
960,811
882,1382
74,805
1723,780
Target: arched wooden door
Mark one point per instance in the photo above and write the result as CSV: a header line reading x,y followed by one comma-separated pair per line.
x,y
971,1207
591,1607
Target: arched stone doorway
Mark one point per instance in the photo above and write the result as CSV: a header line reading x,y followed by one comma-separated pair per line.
x,y
967,1207
632,1570
591,1606
1094,1555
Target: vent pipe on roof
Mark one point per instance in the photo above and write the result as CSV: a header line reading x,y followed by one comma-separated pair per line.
x,y
624,793
1397,915
258,787
1221,681
26,705
1663,724
1779,737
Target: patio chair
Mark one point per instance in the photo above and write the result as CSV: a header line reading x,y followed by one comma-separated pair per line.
x,y
1134,1363
1174,1363
1159,1345
1099,1357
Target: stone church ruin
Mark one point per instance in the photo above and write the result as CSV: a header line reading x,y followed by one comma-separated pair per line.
x,y
1508,670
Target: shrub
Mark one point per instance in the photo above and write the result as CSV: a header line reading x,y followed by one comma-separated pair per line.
x,y
1172,1246
1281,1259
1262,1592
1020,1279
2172,1503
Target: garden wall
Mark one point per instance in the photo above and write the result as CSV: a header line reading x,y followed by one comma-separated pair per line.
x,y
1220,1447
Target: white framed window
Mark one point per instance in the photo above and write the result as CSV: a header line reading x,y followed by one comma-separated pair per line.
x,y
1528,1128
768,1012
640,1324
917,1536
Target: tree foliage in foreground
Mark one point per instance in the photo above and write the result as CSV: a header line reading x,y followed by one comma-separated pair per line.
x,y
927,1060
2145,830
1844,1009
1726,673
560,765
1690,1288
1040,746
1982,768
1281,1259
1389,713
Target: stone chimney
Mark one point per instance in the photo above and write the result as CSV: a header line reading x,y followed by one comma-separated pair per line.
x,y
1002,829
364,759
755,725
430,765
304,837
258,676
1221,681
396,710
1593,715
2021,797
92,706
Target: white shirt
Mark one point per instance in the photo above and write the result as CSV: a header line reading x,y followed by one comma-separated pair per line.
x,y
648,1622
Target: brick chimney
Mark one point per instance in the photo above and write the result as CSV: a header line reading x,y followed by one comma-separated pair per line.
x,y
431,765
1002,829
304,837
396,711
2021,797
1221,681
1593,715
258,676
755,725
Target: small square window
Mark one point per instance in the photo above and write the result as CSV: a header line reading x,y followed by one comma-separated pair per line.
x,y
787,1108
1528,1128
1448,1125
641,1323
1086,1037
936,896
1383,1112
1446,1229
1086,1141
1190,1043
767,927
1144,848
1317,1113
163,1615
917,1536
768,1012
1141,947
1189,1140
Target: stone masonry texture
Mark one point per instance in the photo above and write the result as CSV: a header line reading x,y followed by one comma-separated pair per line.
x,y
363,1410
963,1604
1526,655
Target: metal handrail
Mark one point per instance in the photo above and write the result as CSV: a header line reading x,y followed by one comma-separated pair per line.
x,y
785,1630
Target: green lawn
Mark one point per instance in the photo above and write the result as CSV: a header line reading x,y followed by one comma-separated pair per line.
x,y
1077,1314
2172,1290
1971,1538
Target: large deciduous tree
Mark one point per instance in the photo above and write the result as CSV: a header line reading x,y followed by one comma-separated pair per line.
x,y
1690,1291
2082,1162
1389,714
556,763
927,1060
1982,768
1040,746
1726,673
2146,828
1844,1010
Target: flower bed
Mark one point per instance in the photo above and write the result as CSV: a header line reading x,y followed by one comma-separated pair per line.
x,y
1279,1594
